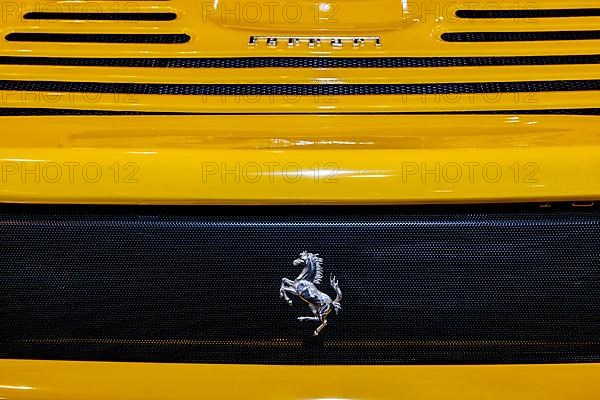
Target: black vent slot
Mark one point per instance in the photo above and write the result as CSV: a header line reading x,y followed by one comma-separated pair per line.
x,y
305,62
421,285
99,38
532,13
519,36
302,89
27,111
141,16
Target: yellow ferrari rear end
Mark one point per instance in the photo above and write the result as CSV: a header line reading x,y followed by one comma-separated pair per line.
x,y
373,199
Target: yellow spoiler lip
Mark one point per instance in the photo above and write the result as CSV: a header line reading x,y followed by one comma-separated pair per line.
x,y
310,159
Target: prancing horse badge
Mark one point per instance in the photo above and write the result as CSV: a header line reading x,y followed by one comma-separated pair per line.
x,y
305,287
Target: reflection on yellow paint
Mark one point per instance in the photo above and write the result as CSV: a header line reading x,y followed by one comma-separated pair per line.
x,y
16,387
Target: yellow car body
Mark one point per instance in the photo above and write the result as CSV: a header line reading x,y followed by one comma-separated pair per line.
x,y
66,143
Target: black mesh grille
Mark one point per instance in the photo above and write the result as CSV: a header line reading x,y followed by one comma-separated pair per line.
x,y
519,36
304,62
532,13
139,16
302,89
421,285
7,112
20,112
100,38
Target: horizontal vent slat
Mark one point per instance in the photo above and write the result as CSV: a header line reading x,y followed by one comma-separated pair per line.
x,y
122,38
139,16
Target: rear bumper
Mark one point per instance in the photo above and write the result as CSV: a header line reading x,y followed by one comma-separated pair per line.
x,y
80,380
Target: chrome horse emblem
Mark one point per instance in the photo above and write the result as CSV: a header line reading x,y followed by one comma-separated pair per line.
x,y
305,287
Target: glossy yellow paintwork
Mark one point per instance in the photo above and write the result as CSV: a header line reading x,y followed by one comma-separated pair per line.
x,y
300,159
222,29
31,380
292,159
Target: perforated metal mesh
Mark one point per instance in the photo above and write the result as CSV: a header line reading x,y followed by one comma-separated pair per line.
x,y
421,285
305,62
28,111
303,89
519,36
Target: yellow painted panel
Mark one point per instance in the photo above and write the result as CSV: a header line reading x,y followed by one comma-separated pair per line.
x,y
302,75
299,159
302,104
45,380
222,28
